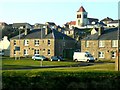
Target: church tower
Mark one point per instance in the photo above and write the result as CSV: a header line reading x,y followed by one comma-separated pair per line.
x,y
82,19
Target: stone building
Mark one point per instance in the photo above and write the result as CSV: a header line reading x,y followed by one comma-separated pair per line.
x,y
44,41
102,45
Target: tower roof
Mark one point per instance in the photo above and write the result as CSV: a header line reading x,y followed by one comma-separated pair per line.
x,y
81,9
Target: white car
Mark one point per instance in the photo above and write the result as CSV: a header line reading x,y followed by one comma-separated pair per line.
x,y
1,53
38,57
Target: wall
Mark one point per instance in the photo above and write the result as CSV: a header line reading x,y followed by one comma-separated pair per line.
x,y
94,48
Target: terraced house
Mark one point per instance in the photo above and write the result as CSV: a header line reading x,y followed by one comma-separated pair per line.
x,y
103,44
46,41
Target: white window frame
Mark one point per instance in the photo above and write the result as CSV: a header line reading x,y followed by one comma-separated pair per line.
x,y
14,52
113,54
101,43
114,43
14,42
25,52
36,42
26,42
49,42
101,54
87,43
36,51
48,52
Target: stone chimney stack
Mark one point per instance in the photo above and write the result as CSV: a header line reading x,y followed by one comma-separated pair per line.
x,y
100,30
47,30
26,32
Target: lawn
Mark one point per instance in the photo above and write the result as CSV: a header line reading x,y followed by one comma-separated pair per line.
x,y
11,63
27,62
97,76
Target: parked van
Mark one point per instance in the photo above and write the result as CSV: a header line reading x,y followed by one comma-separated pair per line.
x,y
83,56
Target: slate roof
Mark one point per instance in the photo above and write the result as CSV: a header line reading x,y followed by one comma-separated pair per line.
x,y
19,24
107,19
114,21
36,34
108,34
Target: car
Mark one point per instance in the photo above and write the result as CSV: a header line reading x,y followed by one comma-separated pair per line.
x,y
1,53
39,57
56,58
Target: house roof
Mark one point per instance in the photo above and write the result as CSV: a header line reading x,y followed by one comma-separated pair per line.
x,y
114,21
81,9
36,34
107,19
72,23
19,24
51,23
93,19
108,34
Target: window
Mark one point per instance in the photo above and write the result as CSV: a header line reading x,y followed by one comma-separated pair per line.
x,y
48,51
85,16
25,52
113,54
36,42
101,54
68,32
48,42
114,43
14,42
26,42
14,52
101,44
43,50
36,51
78,16
78,22
87,43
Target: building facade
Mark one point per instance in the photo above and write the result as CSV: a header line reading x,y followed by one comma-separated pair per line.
x,y
102,46
47,43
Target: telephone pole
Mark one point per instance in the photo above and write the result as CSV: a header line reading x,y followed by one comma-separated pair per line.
x,y
117,62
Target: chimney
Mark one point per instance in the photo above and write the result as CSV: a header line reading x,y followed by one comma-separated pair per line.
x,y
26,32
47,30
100,30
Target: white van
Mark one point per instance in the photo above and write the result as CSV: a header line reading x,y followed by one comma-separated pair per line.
x,y
83,56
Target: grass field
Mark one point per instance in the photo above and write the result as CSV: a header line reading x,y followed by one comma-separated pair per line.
x,y
23,63
98,76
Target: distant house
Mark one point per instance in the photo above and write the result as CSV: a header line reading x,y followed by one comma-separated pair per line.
x,y
22,26
102,45
38,26
106,20
45,42
51,25
5,46
113,23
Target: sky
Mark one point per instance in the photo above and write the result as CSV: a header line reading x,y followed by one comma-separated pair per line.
x,y
58,11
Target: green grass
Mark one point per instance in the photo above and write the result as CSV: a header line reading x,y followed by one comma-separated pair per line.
x,y
11,63
25,62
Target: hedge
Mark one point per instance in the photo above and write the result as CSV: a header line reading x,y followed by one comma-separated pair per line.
x,y
53,80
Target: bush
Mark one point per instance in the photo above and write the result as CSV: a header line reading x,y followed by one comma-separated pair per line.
x,y
61,80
